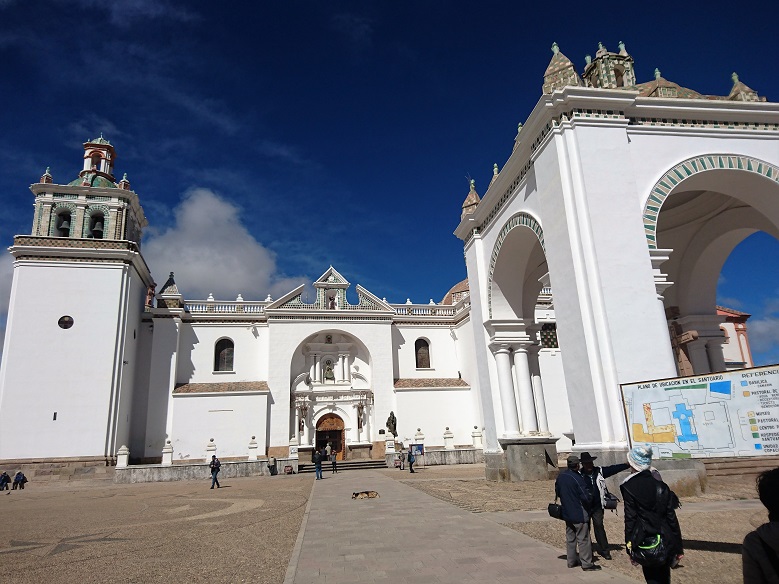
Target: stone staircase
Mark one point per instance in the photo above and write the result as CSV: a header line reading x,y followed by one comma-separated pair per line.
x,y
60,472
343,465
723,467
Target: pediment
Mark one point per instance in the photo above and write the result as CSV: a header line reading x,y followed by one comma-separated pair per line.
x,y
331,279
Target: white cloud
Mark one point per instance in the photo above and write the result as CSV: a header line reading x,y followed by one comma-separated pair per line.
x,y
764,339
210,251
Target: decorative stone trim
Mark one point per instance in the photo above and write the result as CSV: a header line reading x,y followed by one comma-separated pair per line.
x,y
688,168
34,241
686,123
521,219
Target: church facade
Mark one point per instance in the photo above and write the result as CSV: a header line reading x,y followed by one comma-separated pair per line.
x,y
592,261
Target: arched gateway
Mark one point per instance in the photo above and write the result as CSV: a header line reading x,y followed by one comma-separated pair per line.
x,y
330,430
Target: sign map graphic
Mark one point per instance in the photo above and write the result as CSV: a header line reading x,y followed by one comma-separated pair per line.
x,y
735,413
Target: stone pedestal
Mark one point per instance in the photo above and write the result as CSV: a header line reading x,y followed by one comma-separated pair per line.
x,y
293,448
252,449
122,457
523,459
360,451
448,439
167,454
390,448
476,436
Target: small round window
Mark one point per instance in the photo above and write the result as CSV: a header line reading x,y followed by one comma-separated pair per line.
x,y
65,322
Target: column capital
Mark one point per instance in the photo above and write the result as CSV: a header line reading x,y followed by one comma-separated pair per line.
x,y
498,348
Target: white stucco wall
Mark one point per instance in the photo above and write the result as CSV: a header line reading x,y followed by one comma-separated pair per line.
x,y
443,354
433,411
47,369
230,419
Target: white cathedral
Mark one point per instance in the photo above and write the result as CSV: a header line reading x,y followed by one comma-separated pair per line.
x,y
623,198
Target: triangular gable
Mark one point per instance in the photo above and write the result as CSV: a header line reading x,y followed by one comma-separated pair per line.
x,y
330,277
292,298
370,301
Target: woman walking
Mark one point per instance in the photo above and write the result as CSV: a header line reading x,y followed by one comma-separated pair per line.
x,y
649,512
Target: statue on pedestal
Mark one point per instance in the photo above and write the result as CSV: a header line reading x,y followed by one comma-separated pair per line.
x,y
392,424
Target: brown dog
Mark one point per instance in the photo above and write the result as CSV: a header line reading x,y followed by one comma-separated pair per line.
x,y
365,495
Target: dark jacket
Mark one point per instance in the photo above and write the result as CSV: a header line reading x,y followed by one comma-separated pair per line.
x,y
575,496
760,555
592,482
316,458
647,513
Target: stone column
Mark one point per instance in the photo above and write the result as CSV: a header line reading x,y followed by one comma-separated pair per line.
x,y
342,359
527,404
698,356
306,431
716,356
312,367
317,368
356,425
506,387
296,430
538,389
367,427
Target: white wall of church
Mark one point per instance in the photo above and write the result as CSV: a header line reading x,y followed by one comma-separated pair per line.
x,y
433,411
197,351
231,420
558,412
443,355
77,385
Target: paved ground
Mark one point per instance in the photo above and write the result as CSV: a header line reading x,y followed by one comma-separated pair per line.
x,y
407,537
156,532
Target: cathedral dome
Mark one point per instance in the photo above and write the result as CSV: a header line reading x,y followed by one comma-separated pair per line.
x,y
456,293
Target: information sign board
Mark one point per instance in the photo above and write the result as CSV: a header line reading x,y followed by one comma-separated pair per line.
x,y
735,413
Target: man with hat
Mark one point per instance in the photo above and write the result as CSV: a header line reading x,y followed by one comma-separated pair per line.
x,y
596,480
576,499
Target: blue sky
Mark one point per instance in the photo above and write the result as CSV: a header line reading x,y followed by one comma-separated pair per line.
x,y
268,140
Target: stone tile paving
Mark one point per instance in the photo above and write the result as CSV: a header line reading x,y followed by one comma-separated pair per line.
x,y
405,536
155,532
713,523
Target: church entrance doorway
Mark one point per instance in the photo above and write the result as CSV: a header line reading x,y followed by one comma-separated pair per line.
x,y
330,430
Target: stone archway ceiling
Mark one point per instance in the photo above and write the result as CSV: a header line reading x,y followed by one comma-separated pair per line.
x,y
519,220
688,168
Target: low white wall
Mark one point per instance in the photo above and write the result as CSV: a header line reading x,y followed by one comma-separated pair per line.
x,y
230,419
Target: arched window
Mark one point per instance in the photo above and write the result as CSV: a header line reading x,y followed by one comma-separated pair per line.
x,y
96,224
63,224
96,159
223,355
422,350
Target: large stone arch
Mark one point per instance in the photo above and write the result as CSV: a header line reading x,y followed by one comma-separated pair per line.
x,y
521,219
672,181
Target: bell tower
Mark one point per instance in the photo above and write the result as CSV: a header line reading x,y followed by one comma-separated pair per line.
x,y
72,337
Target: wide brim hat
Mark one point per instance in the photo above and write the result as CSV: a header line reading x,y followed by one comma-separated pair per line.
x,y
587,457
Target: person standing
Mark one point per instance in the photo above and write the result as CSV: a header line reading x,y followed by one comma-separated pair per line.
x,y
576,498
596,481
317,458
760,552
411,459
328,450
649,511
5,479
215,466
402,458
334,460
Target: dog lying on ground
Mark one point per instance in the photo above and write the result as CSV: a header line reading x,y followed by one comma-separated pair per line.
x,y
365,495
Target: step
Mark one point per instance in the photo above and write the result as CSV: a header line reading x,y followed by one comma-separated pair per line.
x,y
308,467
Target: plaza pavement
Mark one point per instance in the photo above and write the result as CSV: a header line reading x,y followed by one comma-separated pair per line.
x,y
408,537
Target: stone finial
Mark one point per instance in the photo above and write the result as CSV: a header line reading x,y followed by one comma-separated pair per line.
x,y
601,47
519,127
171,276
408,301
210,297
495,170
734,77
622,50
555,48
473,185
431,301
124,184
657,73
587,59
239,298
268,298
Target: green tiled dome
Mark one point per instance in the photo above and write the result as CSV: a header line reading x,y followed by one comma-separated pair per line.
x,y
94,181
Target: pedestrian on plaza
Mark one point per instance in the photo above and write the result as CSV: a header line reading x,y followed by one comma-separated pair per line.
x,y
411,459
334,460
215,466
19,481
596,480
402,458
650,511
760,552
317,458
576,499
328,450
5,478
